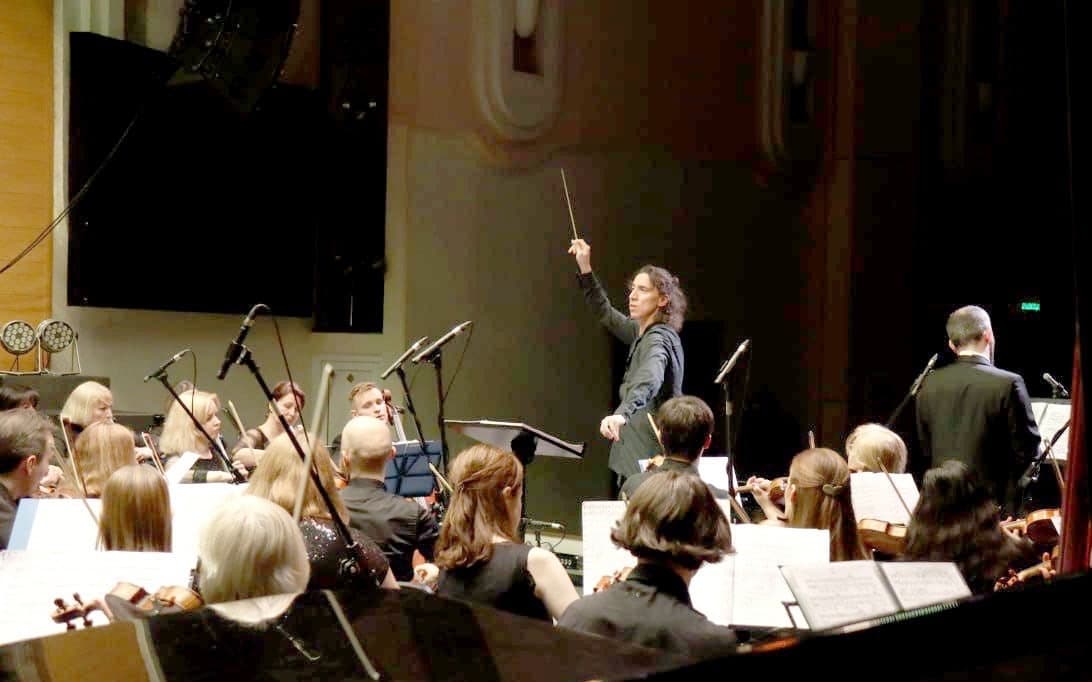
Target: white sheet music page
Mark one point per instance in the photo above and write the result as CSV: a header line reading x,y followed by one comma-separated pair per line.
x,y
601,556
31,580
840,592
924,583
179,466
759,591
874,498
1052,416
58,524
191,506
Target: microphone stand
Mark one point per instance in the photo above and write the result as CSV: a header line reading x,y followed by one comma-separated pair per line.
x,y
1031,474
353,564
914,388
444,494
214,445
437,361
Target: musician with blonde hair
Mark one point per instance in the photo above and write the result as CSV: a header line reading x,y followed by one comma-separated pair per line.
x,y
180,436
101,449
136,511
875,448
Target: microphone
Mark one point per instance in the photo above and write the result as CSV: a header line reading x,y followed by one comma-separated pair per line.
x,y
727,366
924,373
429,352
233,351
1056,385
402,358
163,368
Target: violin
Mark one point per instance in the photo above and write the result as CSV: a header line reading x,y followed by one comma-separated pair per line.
x,y
881,536
128,601
1045,570
1038,526
608,580
776,492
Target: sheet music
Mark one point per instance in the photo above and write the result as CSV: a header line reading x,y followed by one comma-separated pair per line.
x,y
711,590
924,583
500,434
179,466
1052,416
760,592
30,581
601,556
52,525
839,593
874,498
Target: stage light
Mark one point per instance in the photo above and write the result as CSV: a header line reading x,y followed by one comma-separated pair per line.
x,y
55,336
18,338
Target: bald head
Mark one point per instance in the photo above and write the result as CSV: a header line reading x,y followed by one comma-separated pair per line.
x,y
366,445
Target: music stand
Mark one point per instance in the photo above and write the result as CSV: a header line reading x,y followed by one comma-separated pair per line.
x,y
523,440
408,473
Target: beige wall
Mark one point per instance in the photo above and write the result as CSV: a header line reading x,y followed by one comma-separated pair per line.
x,y
26,148
651,95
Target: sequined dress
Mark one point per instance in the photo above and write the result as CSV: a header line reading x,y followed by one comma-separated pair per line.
x,y
325,550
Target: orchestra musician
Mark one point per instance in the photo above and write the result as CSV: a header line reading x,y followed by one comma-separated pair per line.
x,y
278,478
136,510
686,431
289,399
975,413
398,525
366,399
17,396
956,520
479,553
654,364
102,448
673,525
181,436
818,496
875,448
26,447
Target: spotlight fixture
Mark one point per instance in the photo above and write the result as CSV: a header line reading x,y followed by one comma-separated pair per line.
x,y
56,336
18,338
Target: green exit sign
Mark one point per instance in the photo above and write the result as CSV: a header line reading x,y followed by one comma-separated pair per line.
x,y
1029,306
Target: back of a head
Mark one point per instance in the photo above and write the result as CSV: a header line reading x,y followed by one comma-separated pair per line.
x,y
278,475
101,449
478,508
951,494
967,325
15,397
23,433
685,424
136,511
367,443
822,500
674,517
251,548
876,448
80,405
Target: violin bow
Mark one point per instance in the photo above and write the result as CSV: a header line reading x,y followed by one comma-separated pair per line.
x,y
72,455
320,405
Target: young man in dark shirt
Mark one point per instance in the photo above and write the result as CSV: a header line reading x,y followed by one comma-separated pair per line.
x,y
672,525
398,525
686,431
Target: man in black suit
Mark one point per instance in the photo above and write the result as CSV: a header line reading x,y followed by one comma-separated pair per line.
x,y
975,413
398,525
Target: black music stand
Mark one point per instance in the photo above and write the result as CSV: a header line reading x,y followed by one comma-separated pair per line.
x,y
523,440
408,473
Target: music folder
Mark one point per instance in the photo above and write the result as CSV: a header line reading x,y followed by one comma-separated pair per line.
x,y
501,434
408,473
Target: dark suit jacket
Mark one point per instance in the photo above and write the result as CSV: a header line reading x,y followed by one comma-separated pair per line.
x,y
651,608
397,525
8,506
972,412
635,481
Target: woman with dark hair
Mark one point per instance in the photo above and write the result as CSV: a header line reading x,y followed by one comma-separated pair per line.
x,y
955,520
288,398
672,525
16,396
654,365
818,497
480,556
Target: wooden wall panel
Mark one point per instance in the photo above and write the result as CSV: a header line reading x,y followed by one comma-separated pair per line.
x,y
26,158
